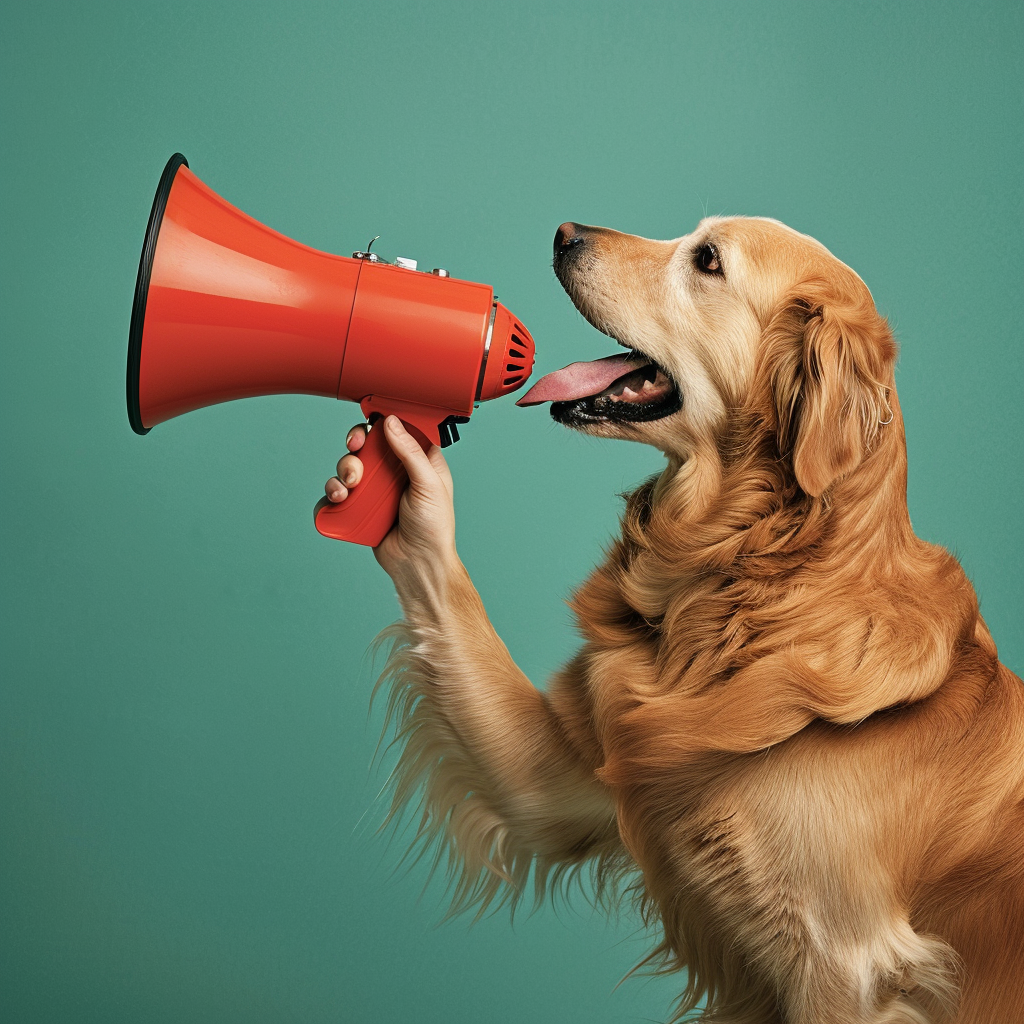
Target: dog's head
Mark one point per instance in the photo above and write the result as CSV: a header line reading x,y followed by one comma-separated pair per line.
x,y
744,320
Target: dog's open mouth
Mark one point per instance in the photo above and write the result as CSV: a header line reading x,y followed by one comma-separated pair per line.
x,y
629,388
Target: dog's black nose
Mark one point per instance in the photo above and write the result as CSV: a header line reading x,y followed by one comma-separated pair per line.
x,y
568,237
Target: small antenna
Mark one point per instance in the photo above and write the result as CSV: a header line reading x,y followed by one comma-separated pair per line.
x,y
370,257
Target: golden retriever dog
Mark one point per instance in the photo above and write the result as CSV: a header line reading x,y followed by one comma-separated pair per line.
x,y
787,725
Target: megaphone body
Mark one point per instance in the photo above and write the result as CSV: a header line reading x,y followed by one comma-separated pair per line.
x,y
227,308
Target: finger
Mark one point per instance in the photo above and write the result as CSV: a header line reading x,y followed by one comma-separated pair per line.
x,y
335,490
440,464
410,454
356,437
350,470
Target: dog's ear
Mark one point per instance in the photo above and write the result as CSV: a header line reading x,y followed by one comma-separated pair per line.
x,y
830,361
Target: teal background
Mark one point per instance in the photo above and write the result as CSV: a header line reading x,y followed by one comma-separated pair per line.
x,y
189,812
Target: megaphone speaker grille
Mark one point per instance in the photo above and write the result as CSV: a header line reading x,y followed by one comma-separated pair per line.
x,y
510,359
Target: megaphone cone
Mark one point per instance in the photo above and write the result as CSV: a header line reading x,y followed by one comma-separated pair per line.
x,y
227,308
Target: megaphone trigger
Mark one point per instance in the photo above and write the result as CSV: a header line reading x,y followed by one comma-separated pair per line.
x,y
422,419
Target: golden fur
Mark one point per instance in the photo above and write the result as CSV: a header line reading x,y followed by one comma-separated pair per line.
x,y
788,717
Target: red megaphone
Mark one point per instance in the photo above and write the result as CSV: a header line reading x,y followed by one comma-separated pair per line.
x,y
227,308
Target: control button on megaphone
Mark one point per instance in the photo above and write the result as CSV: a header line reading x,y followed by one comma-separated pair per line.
x,y
227,308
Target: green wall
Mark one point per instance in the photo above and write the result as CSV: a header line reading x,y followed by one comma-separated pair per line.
x,y
189,811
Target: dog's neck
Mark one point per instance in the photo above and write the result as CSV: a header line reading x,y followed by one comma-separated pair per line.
x,y
723,557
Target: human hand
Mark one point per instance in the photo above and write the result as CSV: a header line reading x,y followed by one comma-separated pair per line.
x,y
420,548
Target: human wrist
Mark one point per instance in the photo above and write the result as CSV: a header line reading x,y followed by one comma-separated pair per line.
x,y
425,585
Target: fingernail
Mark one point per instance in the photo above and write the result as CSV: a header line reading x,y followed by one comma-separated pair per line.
x,y
394,422
347,479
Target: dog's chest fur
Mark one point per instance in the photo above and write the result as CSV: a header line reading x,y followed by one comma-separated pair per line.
x,y
769,860
768,870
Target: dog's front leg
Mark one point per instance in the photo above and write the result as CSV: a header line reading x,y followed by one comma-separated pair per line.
x,y
503,772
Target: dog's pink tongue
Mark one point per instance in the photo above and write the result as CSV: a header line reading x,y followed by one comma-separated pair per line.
x,y
578,380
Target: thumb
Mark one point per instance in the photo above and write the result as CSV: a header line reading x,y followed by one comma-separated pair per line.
x,y
410,453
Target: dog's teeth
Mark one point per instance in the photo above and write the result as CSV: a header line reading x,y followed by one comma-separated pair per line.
x,y
628,393
647,385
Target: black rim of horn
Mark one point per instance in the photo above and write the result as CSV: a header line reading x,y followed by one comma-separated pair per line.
x,y
156,216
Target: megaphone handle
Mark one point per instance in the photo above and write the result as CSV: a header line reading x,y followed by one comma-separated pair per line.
x,y
371,509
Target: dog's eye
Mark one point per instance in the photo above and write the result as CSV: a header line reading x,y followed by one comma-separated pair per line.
x,y
707,259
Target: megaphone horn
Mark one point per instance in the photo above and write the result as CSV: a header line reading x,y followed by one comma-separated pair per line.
x,y
227,308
